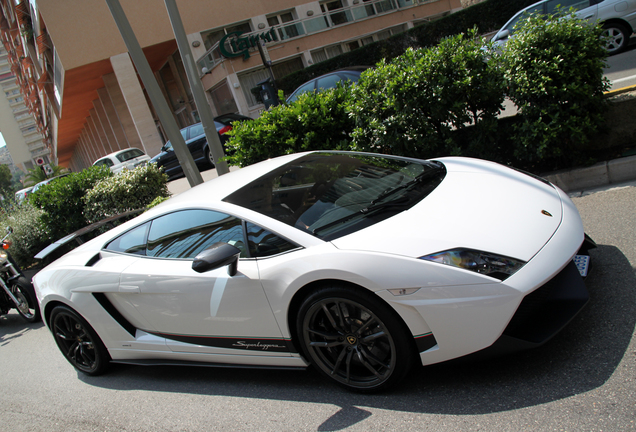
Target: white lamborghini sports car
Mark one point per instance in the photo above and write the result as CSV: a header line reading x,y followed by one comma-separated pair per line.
x,y
359,264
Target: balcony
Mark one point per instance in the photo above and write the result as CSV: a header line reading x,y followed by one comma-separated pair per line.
x,y
314,24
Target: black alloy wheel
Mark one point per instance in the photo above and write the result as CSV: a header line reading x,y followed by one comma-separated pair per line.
x,y
355,339
78,342
28,307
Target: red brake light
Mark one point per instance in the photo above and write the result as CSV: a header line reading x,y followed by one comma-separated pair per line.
x,y
225,129
6,244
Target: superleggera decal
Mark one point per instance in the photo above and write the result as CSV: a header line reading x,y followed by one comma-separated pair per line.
x,y
254,344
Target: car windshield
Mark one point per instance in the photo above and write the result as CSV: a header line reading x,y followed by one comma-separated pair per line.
x,y
129,154
333,194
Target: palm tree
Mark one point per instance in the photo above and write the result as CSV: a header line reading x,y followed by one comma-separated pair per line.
x,y
36,175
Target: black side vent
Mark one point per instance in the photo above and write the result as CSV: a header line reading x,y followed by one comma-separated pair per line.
x,y
110,308
91,262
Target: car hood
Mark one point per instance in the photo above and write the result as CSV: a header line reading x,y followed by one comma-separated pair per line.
x,y
479,205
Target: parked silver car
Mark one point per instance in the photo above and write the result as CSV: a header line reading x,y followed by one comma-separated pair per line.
x,y
618,18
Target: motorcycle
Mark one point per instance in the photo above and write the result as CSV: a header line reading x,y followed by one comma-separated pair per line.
x,y
17,292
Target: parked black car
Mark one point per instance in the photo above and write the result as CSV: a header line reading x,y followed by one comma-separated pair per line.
x,y
194,137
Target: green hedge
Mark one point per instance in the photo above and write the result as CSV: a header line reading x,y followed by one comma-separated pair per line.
x,y
129,190
486,16
443,100
75,201
313,122
61,201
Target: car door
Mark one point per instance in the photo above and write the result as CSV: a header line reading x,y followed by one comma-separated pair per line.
x,y
196,142
209,312
170,162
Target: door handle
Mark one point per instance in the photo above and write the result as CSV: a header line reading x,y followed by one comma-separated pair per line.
x,y
131,289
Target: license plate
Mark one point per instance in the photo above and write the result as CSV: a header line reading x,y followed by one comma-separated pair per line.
x,y
582,263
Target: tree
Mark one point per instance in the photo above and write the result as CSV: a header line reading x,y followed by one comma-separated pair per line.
x,y
5,181
36,175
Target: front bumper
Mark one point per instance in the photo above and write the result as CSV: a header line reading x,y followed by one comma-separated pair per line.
x,y
543,313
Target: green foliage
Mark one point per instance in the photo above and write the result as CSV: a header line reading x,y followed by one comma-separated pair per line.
x,y
155,202
6,188
413,105
30,233
313,122
129,190
61,201
554,69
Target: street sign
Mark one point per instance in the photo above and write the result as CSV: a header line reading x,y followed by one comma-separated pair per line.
x,y
39,161
48,170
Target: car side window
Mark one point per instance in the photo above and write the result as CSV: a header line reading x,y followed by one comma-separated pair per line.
x,y
133,241
195,131
104,162
185,234
328,82
565,5
263,243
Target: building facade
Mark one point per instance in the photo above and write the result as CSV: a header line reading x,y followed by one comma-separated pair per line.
x,y
25,143
85,94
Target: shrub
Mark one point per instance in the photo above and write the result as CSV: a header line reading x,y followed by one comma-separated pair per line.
x,y
554,69
413,105
129,190
313,122
30,234
61,201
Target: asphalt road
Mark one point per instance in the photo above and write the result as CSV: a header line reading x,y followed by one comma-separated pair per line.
x,y
582,380
621,68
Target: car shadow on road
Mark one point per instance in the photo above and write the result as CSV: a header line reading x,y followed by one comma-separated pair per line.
x,y
579,359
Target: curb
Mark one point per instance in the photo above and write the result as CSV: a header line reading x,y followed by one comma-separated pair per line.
x,y
601,174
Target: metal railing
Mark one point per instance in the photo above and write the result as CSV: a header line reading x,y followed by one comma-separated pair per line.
x,y
318,23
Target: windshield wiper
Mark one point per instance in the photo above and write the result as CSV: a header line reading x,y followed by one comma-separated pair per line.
x,y
367,211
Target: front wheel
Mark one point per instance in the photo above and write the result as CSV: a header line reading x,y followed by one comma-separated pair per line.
x,y
616,38
354,338
28,307
78,342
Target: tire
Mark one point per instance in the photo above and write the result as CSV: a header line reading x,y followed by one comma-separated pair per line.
x,y
616,38
354,338
209,157
78,342
24,292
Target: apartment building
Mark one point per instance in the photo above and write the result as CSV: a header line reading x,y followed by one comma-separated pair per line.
x,y
88,100
25,143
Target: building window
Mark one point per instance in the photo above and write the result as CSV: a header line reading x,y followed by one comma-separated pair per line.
x,y
285,31
211,37
223,100
334,13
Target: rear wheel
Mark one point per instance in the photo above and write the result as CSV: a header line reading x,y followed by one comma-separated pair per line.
x,y
354,338
616,37
209,156
78,341
28,307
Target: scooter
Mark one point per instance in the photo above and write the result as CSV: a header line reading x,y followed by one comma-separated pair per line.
x,y
17,292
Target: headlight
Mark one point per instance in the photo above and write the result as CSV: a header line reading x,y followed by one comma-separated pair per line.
x,y
481,262
3,256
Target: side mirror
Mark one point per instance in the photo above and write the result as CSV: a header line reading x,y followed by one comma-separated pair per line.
x,y
9,230
502,35
217,256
